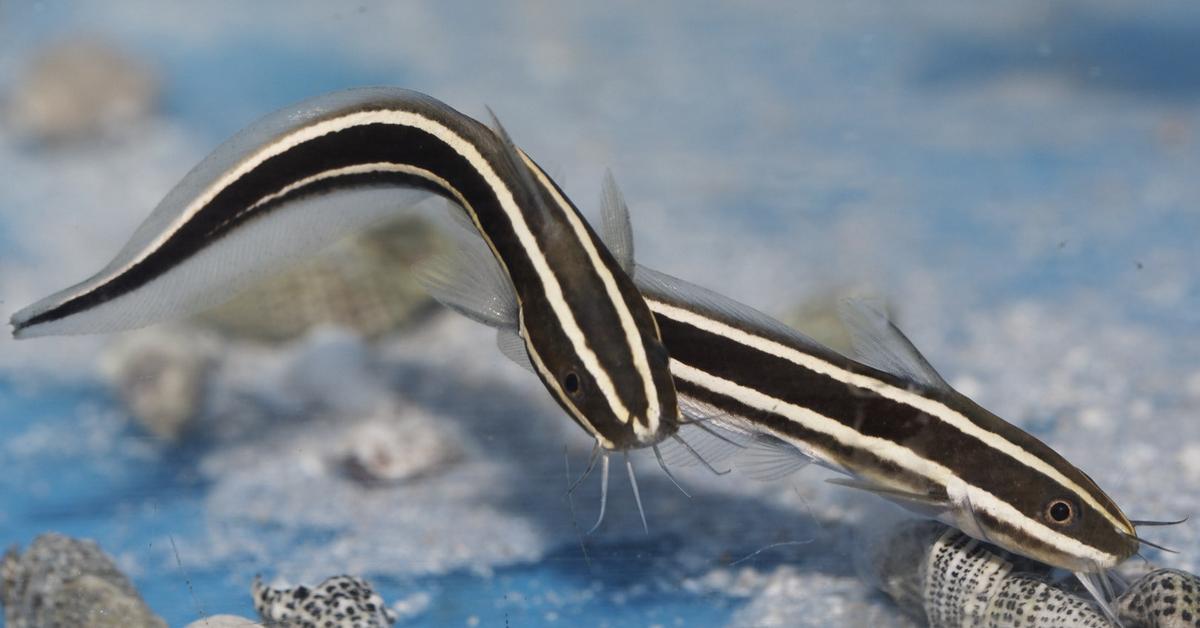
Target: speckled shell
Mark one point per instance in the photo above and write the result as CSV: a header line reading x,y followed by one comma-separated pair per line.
x,y
1164,598
969,583
343,601
942,576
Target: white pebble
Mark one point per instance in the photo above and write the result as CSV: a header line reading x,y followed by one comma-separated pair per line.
x,y
223,621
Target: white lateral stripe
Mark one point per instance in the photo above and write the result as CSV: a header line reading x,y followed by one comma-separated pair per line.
x,y
551,287
368,168
900,395
892,452
385,166
632,334
553,382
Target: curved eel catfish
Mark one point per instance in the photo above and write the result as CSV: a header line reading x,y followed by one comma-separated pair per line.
x,y
311,173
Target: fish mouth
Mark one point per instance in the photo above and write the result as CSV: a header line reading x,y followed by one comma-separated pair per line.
x,y
637,434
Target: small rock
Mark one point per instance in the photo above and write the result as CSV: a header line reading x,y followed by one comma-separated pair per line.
x,y
412,606
80,88
224,621
65,582
341,601
160,375
385,449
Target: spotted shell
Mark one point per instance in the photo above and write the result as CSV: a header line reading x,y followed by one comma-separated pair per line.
x,y
946,578
343,601
1164,598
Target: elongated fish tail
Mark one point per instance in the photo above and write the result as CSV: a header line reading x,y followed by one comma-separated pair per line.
x,y
276,192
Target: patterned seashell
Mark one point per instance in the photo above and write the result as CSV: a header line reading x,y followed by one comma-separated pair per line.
x,y
342,601
1164,598
970,583
948,579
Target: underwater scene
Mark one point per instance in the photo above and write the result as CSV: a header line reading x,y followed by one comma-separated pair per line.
x,y
608,314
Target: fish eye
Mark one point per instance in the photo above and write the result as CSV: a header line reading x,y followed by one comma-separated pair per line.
x,y
570,383
1061,512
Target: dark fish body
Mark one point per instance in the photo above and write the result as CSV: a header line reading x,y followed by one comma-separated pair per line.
x,y
334,164
917,442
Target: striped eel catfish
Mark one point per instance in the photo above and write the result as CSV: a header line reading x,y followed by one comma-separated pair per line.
x,y
891,423
901,433
313,172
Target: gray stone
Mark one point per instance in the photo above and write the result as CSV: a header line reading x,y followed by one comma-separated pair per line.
x,y
223,621
78,89
65,582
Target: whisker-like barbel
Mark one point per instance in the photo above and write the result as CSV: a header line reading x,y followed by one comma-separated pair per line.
x,y
1139,523
1140,540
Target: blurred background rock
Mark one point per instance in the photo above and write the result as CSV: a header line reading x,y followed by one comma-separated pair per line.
x,y
61,582
80,88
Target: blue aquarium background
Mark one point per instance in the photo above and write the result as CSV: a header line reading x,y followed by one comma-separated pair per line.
x,y
1017,181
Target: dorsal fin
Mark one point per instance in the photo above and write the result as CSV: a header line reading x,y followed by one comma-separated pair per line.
x,y
616,230
879,343
469,280
661,286
512,157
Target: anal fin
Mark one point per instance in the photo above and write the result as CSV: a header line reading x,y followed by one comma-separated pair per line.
x,y
925,504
